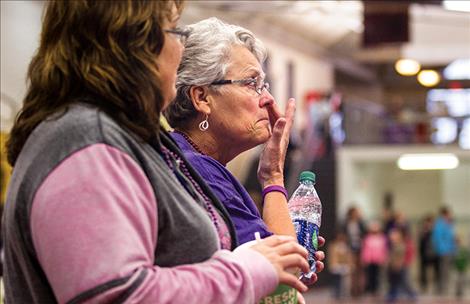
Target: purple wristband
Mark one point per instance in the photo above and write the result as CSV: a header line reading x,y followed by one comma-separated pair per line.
x,y
274,188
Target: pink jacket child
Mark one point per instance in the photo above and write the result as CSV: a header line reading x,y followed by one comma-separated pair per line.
x,y
374,248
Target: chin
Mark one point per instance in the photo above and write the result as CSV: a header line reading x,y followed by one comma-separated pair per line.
x,y
168,99
264,136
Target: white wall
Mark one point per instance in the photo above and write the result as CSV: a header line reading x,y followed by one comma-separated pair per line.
x,y
365,174
456,189
20,28
414,192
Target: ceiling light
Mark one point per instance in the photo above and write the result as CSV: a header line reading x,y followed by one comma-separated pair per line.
x,y
461,6
407,67
428,161
428,78
458,69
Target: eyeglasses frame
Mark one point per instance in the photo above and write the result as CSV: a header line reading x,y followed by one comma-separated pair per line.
x,y
258,90
182,34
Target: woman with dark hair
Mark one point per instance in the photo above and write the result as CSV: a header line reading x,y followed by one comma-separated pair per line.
x,y
102,206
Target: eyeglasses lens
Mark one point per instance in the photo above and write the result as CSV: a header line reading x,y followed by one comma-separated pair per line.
x,y
261,85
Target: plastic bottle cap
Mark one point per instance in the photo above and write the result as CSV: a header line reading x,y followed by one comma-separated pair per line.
x,y
307,175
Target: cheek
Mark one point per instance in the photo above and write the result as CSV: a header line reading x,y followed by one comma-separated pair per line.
x,y
240,117
177,52
175,61
171,58
252,116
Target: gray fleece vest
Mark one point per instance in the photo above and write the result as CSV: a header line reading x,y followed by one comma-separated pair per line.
x,y
185,232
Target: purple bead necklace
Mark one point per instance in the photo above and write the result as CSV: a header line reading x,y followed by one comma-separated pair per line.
x,y
207,203
190,141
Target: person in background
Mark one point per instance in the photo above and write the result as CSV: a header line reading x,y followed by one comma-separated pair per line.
x,y
396,267
461,262
427,256
397,220
374,256
443,241
410,253
355,230
226,110
102,206
340,264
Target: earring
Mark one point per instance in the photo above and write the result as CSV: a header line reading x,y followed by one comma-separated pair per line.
x,y
204,125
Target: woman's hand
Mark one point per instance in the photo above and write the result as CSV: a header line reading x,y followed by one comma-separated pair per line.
x,y
271,164
284,252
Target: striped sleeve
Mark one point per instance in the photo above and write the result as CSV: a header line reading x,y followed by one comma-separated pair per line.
x,y
94,227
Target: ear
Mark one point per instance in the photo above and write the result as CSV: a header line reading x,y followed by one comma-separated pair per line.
x,y
201,99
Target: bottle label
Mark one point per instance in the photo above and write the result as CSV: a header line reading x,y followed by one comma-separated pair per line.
x,y
283,294
307,236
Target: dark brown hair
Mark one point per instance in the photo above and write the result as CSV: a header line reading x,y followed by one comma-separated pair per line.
x,y
100,52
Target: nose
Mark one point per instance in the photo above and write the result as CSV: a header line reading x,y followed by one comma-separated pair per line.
x,y
266,99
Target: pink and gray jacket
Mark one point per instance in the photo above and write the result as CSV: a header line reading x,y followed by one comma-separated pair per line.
x,y
95,215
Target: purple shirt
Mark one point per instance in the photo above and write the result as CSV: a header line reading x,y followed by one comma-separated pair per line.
x,y
227,188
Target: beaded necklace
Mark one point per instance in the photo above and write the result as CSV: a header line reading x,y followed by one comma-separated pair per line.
x,y
189,140
175,163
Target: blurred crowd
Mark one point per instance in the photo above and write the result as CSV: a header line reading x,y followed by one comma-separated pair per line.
x,y
374,259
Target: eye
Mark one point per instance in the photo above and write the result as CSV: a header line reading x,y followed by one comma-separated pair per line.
x,y
251,82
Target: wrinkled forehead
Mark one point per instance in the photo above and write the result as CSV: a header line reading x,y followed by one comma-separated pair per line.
x,y
243,64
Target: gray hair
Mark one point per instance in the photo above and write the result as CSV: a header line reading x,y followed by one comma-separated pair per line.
x,y
205,60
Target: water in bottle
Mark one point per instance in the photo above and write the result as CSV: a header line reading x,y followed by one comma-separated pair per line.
x,y
305,210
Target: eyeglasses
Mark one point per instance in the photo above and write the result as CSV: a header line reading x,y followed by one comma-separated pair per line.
x,y
181,34
255,83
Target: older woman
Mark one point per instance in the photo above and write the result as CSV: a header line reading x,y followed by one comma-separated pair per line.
x,y
102,206
223,108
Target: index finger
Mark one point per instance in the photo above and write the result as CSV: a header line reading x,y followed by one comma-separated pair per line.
x,y
290,112
291,247
321,241
274,113
274,240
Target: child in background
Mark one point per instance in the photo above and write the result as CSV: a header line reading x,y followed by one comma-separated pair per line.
x,y
396,267
340,260
410,252
374,256
461,265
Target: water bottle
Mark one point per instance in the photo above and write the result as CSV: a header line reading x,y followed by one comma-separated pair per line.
x,y
305,210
